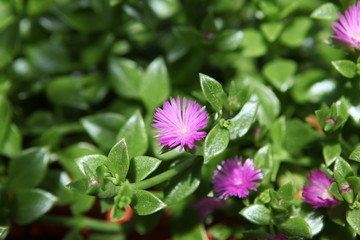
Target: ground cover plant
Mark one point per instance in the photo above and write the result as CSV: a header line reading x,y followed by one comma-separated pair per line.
x,y
179,119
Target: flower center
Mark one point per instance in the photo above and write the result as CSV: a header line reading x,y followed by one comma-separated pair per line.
x,y
326,195
184,131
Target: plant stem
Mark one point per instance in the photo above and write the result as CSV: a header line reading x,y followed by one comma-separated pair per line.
x,y
81,223
163,176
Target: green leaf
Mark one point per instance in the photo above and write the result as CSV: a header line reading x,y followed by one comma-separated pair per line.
x,y
287,191
355,155
257,214
346,68
220,232
296,32
315,220
65,91
213,92
155,85
28,169
30,204
269,107
327,11
103,128
124,195
141,167
229,40
9,39
13,142
342,168
118,160
182,185
134,133
125,77
252,44
296,226
215,142
280,73
263,159
244,119
5,114
88,164
146,203
352,217
272,30
331,152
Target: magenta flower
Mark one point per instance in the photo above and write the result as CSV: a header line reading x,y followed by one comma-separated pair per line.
x,y
232,178
317,194
179,123
347,28
205,206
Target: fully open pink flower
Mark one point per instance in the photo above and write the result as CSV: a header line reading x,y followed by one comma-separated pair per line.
x,y
179,123
233,178
317,194
347,28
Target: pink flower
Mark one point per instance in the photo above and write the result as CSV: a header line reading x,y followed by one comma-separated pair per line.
x,y
205,206
179,123
317,194
232,178
347,28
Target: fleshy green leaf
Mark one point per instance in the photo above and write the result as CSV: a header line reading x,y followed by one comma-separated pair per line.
x,y
352,217
355,155
28,169
155,85
346,68
252,43
118,160
213,92
296,226
244,119
257,214
295,33
327,11
88,164
5,114
216,142
315,220
30,204
271,30
331,152
342,168
146,203
103,128
126,77
182,185
280,73
141,167
134,133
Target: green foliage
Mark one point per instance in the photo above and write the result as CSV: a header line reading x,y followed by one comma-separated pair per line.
x,y
79,84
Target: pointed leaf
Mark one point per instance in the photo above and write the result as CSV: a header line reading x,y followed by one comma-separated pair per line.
x,y
146,203
30,204
327,11
296,226
346,68
280,73
134,133
118,160
355,155
103,128
141,167
89,163
257,214
155,85
215,142
244,119
352,217
213,92
28,169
